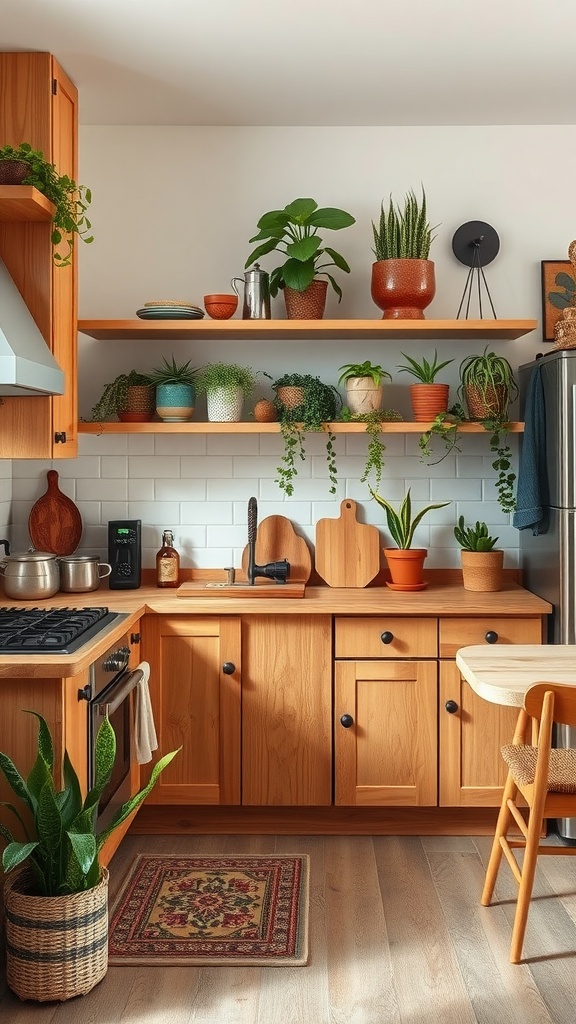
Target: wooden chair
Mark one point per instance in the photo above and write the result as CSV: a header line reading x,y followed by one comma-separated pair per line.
x,y
546,779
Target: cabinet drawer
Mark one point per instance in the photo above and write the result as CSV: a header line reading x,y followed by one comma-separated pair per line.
x,y
386,637
459,632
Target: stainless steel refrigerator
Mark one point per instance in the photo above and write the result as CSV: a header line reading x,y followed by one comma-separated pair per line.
x,y
548,560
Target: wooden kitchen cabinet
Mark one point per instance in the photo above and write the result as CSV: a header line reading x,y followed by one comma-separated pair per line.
x,y
195,689
38,104
286,710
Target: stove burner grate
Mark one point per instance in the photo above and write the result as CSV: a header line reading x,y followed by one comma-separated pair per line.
x,y
52,631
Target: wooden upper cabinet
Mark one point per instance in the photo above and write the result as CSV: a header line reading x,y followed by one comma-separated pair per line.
x,y
39,105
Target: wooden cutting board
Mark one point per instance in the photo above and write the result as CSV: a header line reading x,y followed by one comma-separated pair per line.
x,y
347,552
276,539
54,522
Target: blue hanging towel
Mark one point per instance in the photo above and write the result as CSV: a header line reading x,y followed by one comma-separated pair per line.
x,y
532,495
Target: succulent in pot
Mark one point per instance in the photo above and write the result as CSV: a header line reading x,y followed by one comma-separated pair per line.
x,y
481,560
429,397
175,390
405,562
403,281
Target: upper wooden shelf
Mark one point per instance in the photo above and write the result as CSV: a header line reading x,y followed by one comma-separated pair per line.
x,y
246,427
24,203
300,330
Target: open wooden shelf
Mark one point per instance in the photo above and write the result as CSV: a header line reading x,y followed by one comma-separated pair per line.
x,y
396,427
24,203
301,330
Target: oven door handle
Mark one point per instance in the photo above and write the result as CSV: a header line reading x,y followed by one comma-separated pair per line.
x,y
130,683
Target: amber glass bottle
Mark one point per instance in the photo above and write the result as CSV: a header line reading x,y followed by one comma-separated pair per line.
x,y
167,562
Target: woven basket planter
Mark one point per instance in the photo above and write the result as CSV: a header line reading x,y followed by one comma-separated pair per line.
x,y
57,946
306,305
488,405
482,570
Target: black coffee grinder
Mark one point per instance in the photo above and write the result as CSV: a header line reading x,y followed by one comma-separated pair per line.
x,y
125,553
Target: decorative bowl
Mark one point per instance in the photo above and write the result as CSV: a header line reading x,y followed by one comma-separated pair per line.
x,y
220,306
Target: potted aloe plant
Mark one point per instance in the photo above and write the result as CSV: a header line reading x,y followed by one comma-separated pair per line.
x,y
293,232
403,281
60,883
429,397
405,562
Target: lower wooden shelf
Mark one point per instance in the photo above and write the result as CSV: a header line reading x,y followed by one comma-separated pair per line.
x,y
396,427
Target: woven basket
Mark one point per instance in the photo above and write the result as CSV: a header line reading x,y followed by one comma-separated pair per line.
x,y
482,570
140,398
57,946
485,406
565,330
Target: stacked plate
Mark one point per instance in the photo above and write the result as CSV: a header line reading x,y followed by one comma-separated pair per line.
x,y
167,309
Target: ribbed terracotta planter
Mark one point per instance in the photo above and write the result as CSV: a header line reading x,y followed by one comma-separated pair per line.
x,y
482,570
403,288
406,566
428,400
306,305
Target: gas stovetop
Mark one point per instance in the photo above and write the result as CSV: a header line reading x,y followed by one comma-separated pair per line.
x,y
51,631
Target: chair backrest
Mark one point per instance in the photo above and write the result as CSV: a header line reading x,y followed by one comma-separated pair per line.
x,y
564,708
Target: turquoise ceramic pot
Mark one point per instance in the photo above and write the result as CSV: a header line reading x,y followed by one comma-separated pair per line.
x,y
175,402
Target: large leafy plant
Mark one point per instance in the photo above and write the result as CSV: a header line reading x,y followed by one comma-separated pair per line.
x,y
402,524
403,234
61,847
293,232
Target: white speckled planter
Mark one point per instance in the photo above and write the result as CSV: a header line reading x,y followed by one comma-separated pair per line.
x,y
225,406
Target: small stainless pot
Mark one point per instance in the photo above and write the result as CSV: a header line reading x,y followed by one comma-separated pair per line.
x,y
81,573
30,576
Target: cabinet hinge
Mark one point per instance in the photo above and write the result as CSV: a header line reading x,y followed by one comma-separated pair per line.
x,y
54,86
134,638
60,437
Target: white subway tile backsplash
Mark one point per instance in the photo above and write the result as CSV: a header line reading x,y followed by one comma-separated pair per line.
x,y
25,489
141,490
139,466
267,467
232,490
217,558
179,490
116,510
153,512
141,444
455,490
356,444
206,513
244,444
226,536
84,466
102,444
114,466
101,490
180,444
31,468
205,468
271,444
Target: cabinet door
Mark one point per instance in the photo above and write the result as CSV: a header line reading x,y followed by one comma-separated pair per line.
x,y
472,772
388,754
196,705
286,710
38,104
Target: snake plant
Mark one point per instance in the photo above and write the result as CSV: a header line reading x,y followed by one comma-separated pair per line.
x,y
402,525
403,234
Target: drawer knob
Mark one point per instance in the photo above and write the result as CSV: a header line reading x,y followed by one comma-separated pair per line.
x,y
387,637
491,637
451,707
228,668
346,721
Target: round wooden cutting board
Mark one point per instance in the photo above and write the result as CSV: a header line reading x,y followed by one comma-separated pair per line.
x,y
276,539
54,523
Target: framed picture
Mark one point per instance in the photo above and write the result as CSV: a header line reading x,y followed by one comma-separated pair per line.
x,y
558,292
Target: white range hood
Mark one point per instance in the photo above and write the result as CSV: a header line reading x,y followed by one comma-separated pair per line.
x,y
27,366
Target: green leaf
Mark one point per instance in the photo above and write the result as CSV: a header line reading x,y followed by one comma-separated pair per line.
x,y
300,210
84,849
298,275
329,217
48,820
273,222
338,259
15,854
72,803
260,251
39,775
15,780
131,805
304,249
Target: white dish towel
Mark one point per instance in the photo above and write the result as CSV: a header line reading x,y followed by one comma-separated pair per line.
x,y
144,728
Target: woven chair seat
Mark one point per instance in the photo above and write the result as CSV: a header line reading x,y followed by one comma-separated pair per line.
x,y
521,761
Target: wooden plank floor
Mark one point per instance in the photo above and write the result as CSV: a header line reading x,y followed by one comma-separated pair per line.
x,y
397,936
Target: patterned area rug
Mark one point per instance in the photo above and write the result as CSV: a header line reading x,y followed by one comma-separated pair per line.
x,y
212,911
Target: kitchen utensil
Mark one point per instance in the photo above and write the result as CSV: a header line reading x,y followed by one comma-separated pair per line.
x,y
220,306
256,284
347,552
30,576
276,539
82,573
54,522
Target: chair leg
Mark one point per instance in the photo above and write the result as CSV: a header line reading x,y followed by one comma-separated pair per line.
x,y
526,886
504,816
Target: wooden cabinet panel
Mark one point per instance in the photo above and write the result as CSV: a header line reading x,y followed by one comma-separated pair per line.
x,y
286,710
196,705
361,637
472,771
463,632
388,756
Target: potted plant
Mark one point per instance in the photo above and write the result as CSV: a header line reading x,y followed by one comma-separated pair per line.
x,y
429,397
481,560
293,232
226,385
364,387
22,165
130,396
61,885
487,385
405,562
175,390
403,281
304,403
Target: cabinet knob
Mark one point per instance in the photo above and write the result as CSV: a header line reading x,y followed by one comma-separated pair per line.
x,y
491,637
346,721
451,707
228,668
387,637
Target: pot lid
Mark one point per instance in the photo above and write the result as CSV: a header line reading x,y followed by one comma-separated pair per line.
x,y
79,558
30,556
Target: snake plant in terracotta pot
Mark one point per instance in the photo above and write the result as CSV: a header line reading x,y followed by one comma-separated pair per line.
x,y
405,562
403,281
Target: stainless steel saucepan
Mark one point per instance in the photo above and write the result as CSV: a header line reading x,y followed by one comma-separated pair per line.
x,y
30,576
82,573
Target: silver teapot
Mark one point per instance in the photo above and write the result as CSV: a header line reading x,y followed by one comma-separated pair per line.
x,y
256,284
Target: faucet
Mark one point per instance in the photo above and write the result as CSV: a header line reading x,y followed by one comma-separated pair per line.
x,y
6,544
277,571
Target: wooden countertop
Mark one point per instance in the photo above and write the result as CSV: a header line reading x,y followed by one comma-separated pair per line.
x,y
440,598
501,674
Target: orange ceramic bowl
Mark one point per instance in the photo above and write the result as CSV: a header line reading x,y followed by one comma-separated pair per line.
x,y
220,306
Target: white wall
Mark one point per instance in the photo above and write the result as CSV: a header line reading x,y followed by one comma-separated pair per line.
x,y
173,210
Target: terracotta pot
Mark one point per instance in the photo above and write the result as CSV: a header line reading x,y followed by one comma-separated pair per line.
x,y
403,288
482,570
488,405
306,305
406,566
428,400
363,395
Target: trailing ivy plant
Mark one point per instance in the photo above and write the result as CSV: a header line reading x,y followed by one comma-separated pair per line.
x,y
445,426
319,407
500,448
376,447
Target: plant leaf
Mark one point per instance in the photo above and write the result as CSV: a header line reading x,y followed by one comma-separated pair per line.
x,y
300,210
15,854
135,801
330,217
